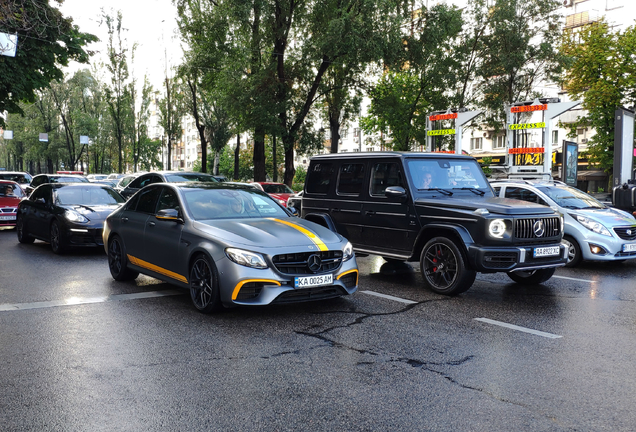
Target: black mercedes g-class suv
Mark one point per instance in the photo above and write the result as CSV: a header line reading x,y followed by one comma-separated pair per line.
x,y
437,208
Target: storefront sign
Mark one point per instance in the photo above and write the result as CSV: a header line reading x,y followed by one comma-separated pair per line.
x,y
520,126
441,132
528,108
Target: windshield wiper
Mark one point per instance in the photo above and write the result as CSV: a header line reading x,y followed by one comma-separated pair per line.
x,y
473,190
444,191
86,207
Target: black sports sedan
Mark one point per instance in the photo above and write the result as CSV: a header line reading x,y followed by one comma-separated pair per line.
x,y
229,245
41,179
165,176
66,214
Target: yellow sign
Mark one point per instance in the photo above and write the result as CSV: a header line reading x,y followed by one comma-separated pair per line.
x,y
441,132
520,126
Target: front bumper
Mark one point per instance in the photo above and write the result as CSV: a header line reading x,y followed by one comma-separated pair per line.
x,y
78,236
492,259
240,285
612,249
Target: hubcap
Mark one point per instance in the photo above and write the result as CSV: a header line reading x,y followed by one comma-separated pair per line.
x,y
440,265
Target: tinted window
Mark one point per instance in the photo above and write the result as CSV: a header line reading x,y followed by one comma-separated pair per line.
x,y
523,194
132,203
277,188
178,178
38,181
148,200
42,192
168,200
350,179
319,178
137,183
384,175
447,174
87,196
207,204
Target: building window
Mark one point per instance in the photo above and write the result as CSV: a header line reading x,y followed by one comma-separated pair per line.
x,y
555,137
356,150
356,132
369,149
499,142
344,133
475,143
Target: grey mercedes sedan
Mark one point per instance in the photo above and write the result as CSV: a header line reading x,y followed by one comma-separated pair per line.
x,y
228,244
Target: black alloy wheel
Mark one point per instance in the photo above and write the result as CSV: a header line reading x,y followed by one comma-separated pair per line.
x,y
23,235
574,251
204,285
58,244
444,268
531,277
118,261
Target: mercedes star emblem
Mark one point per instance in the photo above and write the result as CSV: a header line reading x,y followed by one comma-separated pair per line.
x,y
314,263
538,228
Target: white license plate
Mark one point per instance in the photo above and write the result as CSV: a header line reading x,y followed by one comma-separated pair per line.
x,y
312,281
546,251
7,217
629,247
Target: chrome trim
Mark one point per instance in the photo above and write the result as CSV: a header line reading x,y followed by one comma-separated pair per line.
x,y
537,267
522,255
381,254
448,218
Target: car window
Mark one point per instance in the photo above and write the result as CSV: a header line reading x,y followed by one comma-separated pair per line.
x,y
350,179
136,184
447,174
156,179
9,190
125,181
168,200
148,200
190,177
41,192
571,198
38,181
142,181
496,189
523,194
86,196
384,175
206,204
319,178
132,203
277,188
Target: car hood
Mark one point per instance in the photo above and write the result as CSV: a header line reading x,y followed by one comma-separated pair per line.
x,y
279,232
606,216
9,201
94,212
495,205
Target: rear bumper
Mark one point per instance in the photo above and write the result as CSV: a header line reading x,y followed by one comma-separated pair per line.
x,y
491,260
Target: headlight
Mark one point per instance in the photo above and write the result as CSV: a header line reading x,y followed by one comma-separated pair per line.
x,y
74,216
245,258
347,252
497,228
592,225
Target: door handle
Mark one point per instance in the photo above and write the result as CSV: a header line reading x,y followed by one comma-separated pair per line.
x,y
124,219
335,210
369,213
151,223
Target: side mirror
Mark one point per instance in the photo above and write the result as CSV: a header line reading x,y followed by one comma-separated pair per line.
x,y
169,215
395,192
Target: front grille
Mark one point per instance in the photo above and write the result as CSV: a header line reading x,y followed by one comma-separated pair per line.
x,y
524,228
309,294
622,233
500,260
8,210
297,263
91,238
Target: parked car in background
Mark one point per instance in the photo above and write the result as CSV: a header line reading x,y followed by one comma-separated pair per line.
x,y
229,245
66,214
592,231
22,178
124,181
41,179
115,176
220,177
296,201
110,182
279,191
165,177
95,177
10,196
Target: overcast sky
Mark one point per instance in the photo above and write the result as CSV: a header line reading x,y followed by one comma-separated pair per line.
x,y
149,23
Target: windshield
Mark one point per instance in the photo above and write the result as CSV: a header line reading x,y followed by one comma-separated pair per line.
x,y
9,190
207,204
87,196
571,198
277,188
449,174
178,178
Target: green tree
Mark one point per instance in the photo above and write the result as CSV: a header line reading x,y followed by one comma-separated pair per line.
x,y
602,73
47,41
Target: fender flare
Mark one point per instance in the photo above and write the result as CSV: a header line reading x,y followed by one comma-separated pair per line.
x,y
322,219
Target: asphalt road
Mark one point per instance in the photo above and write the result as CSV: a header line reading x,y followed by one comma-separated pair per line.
x,y
81,352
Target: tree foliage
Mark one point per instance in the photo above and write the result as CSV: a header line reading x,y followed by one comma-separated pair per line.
x,y
47,41
602,73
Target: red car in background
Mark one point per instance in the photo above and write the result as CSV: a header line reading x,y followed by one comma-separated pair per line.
x,y
10,196
279,191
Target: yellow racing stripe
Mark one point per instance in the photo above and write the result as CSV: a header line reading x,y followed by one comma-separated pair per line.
x,y
157,269
313,237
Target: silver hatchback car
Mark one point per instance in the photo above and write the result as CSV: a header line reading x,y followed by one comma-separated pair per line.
x,y
593,231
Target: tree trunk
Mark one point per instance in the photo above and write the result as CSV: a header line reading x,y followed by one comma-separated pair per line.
x,y
260,174
275,175
290,171
236,156
334,128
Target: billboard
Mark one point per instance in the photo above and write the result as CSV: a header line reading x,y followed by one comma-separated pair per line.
x,y
570,160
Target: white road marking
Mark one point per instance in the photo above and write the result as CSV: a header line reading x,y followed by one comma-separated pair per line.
x,y
518,328
88,300
388,297
574,279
